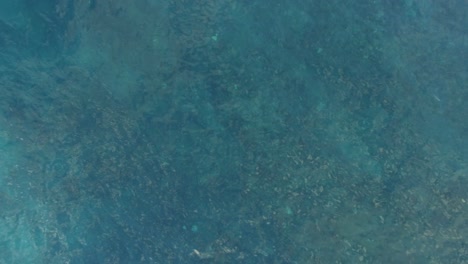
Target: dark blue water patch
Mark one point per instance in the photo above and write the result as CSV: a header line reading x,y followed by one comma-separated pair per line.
x,y
49,25
10,37
92,4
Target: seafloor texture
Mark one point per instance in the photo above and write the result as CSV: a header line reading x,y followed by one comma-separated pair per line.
x,y
223,131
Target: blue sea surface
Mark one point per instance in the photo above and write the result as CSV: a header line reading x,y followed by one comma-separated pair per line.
x,y
204,131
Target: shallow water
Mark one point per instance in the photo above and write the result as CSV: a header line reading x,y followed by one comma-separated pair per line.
x,y
233,132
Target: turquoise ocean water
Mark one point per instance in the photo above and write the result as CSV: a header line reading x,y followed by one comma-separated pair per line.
x,y
202,131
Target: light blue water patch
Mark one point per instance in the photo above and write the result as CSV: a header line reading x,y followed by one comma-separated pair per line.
x,y
23,242
19,242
